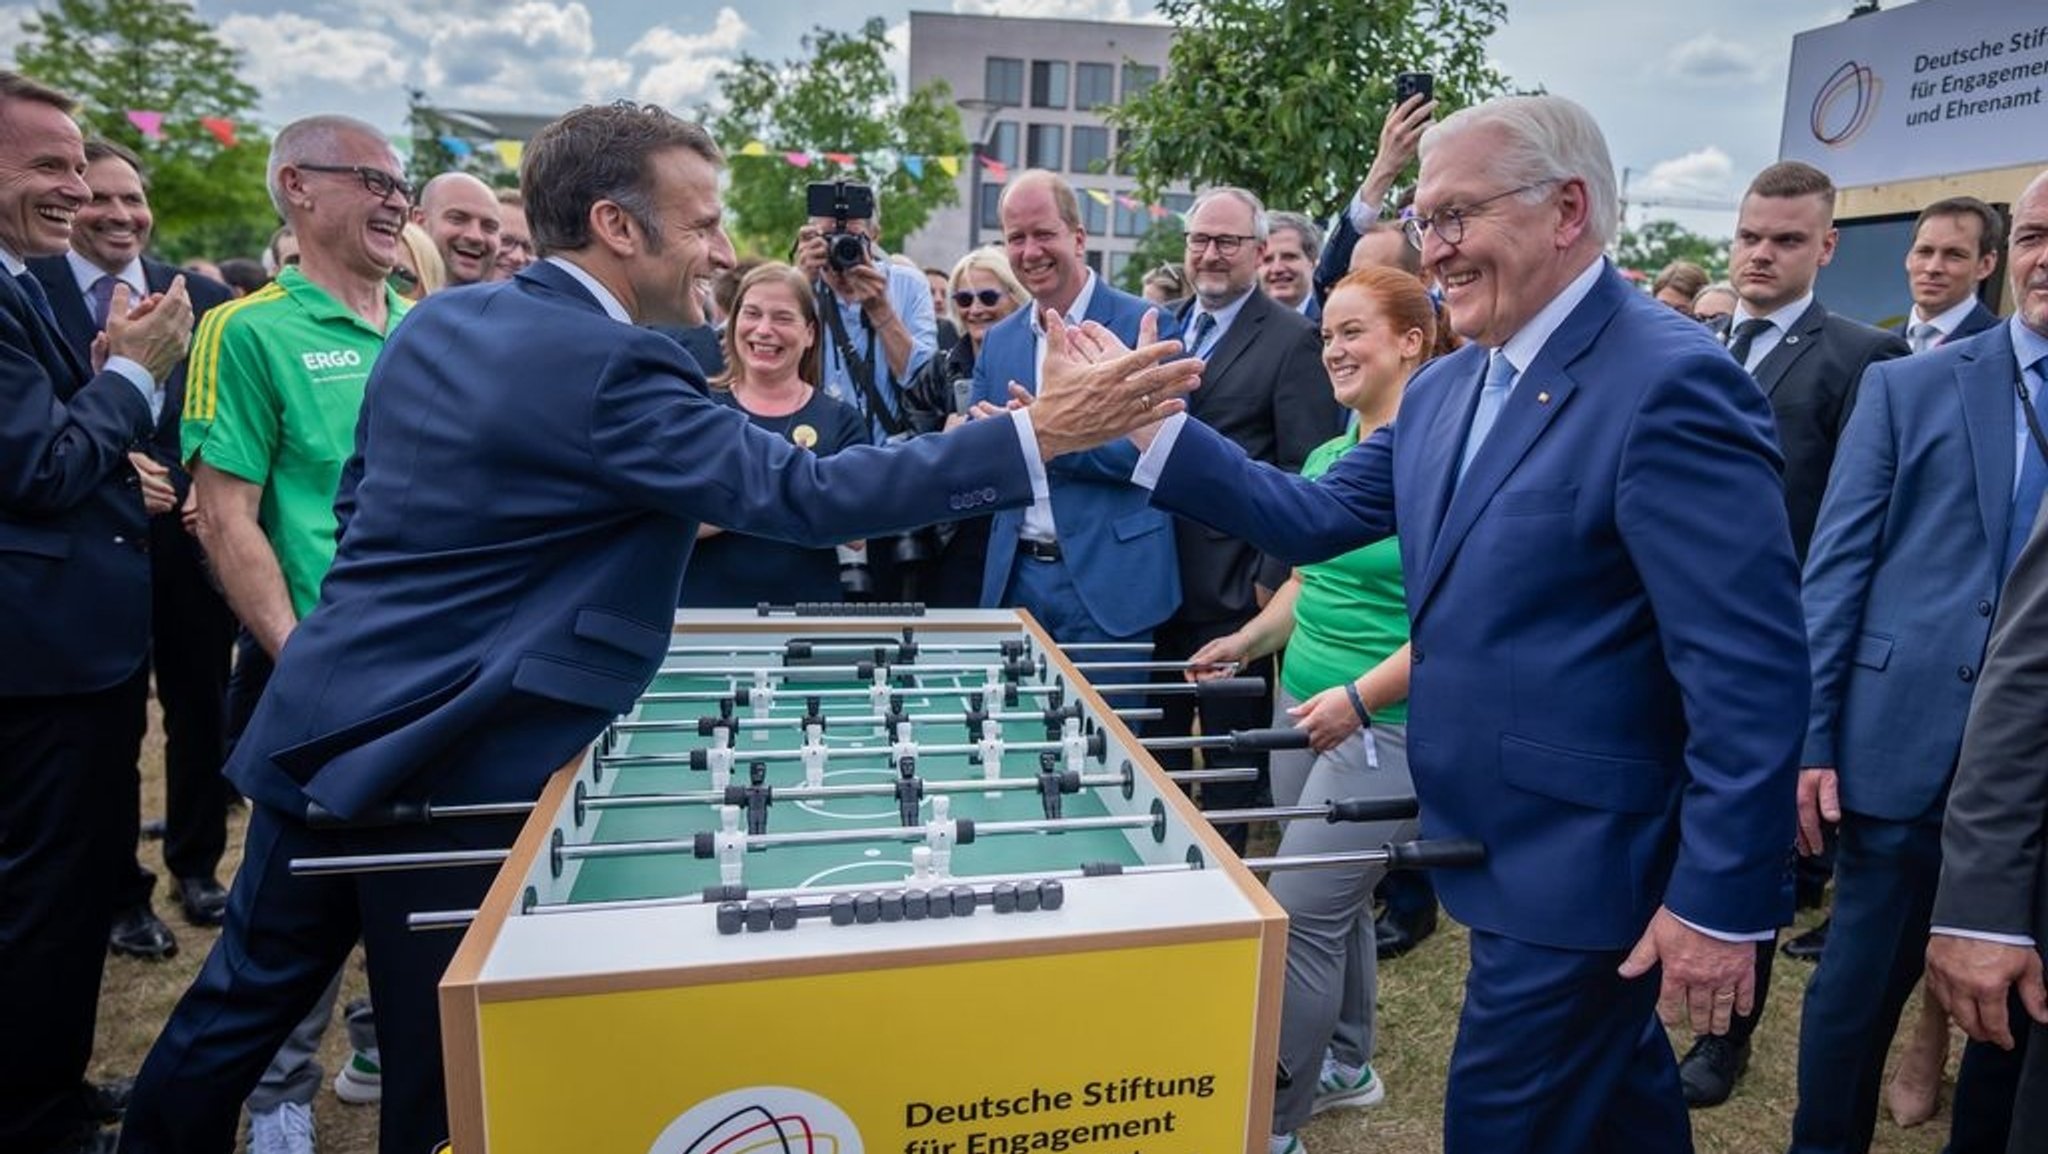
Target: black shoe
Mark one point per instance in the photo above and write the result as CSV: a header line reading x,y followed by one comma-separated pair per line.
x,y
1710,1071
139,933
204,901
1806,947
108,1100
1396,936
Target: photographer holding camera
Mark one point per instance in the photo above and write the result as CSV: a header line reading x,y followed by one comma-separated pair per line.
x,y
879,331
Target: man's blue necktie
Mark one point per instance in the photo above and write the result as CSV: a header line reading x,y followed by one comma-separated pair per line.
x,y
37,298
1205,323
1500,377
2026,498
102,298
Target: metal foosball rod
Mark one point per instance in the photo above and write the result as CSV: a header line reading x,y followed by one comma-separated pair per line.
x,y
1216,688
1438,853
863,670
1347,810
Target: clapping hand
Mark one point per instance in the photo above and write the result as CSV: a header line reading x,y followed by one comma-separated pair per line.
x,y
1092,389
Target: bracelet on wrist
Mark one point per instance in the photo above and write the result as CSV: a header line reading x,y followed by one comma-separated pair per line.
x,y
1358,705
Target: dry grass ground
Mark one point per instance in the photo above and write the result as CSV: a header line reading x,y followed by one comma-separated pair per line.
x,y
1419,1000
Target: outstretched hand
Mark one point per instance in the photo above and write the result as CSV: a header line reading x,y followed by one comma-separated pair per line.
x,y
1092,389
1705,980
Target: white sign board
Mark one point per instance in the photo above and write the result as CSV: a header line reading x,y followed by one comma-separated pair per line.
x,y
1927,89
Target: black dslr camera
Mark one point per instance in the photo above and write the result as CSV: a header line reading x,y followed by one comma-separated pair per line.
x,y
842,202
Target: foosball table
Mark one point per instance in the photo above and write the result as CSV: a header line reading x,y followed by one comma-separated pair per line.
x,y
848,882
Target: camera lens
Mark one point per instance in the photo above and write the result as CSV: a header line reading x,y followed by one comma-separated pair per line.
x,y
845,250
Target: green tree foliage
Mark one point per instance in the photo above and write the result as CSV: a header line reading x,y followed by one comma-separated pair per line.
x,y
1659,242
157,55
1166,242
1287,98
842,99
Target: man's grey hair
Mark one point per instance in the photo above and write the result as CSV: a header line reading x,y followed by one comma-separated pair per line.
x,y
314,140
1311,235
1549,138
1243,196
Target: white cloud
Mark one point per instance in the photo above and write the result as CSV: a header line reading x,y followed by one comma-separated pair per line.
x,y
684,66
1709,59
534,56
286,51
12,17
1702,174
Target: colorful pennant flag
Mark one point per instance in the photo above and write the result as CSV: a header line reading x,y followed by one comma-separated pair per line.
x,y
950,165
914,165
510,152
148,122
799,159
222,128
754,148
842,159
996,169
1098,196
456,146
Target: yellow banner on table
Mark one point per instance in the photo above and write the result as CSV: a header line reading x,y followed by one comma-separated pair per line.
x,y
1142,1050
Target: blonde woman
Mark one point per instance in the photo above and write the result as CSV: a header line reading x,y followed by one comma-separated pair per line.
x,y
419,270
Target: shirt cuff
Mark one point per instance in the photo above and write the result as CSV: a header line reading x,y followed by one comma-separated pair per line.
x,y
1360,213
1027,440
1985,936
1152,461
1725,936
141,379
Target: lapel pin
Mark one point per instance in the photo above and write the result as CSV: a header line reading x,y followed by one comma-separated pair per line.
x,y
1792,339
1542,398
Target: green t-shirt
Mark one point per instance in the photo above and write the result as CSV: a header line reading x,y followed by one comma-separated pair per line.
x,y
271,396
1352,611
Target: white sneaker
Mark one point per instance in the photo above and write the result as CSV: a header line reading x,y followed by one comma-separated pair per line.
x,y
1341,1089
286,1128
361,1080
1284,1144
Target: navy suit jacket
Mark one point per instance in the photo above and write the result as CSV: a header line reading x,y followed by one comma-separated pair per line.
x,y
1903,577
526,489
1118,549
74,570
1609,665
1810,377
74,317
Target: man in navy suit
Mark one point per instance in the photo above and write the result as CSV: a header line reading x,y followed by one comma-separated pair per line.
x,y
191,631
1901,585
1093,561
1956,243
529,474
74,624
1609,664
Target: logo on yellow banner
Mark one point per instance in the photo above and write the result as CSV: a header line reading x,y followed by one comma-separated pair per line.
x,y
760,1120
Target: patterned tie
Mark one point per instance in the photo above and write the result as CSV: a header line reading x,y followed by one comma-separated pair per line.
x,y
1746,334
1923,336
1500,377
103,299
2033,481
37,298
1205,323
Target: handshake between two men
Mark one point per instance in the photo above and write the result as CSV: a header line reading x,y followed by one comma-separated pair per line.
x,y
1092,389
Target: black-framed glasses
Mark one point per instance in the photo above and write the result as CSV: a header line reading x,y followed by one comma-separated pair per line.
x,y
402,279
378,182
989,298
1449,223
1226,244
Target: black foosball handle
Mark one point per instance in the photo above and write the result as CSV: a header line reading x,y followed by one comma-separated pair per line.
x,y
1259,740
1443,853
842,609
392,813
1230,687
1373,809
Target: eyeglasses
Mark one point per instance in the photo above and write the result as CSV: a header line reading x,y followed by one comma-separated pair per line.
x,y
1449,223
1226,244
989,298
378,182
402,279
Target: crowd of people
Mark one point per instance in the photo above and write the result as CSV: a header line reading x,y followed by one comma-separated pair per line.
x,y
1641,589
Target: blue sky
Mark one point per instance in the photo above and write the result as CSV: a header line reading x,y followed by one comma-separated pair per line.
x,y
1690,94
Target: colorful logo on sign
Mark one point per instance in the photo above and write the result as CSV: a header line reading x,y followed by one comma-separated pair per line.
x,y
1845,104
760,1120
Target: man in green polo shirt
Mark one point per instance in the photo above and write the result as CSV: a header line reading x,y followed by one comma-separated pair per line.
x,y
275,385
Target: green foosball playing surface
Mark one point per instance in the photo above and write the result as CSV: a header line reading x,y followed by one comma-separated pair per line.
x,y
877,862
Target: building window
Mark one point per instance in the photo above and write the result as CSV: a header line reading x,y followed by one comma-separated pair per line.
x,y
1048,84
1124,167
1002,147
1179,202
1094,86
1132,221
1003,82
1091,150
1118,261
991,197
1042,149
1139,77
1094,214
1094,260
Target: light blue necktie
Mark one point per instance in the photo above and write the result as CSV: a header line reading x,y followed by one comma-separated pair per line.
x,y
2026,497
1500,377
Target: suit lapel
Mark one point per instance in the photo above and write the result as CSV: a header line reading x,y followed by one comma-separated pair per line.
x,y
1984,384
1803,335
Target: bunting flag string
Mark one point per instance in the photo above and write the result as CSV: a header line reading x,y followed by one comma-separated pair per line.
x,y
884,162
149,124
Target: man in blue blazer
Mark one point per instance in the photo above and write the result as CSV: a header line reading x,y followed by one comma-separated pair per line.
x,y
530,471
191,631
1956,242
74,625
1094,561
1922,519
1609,664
